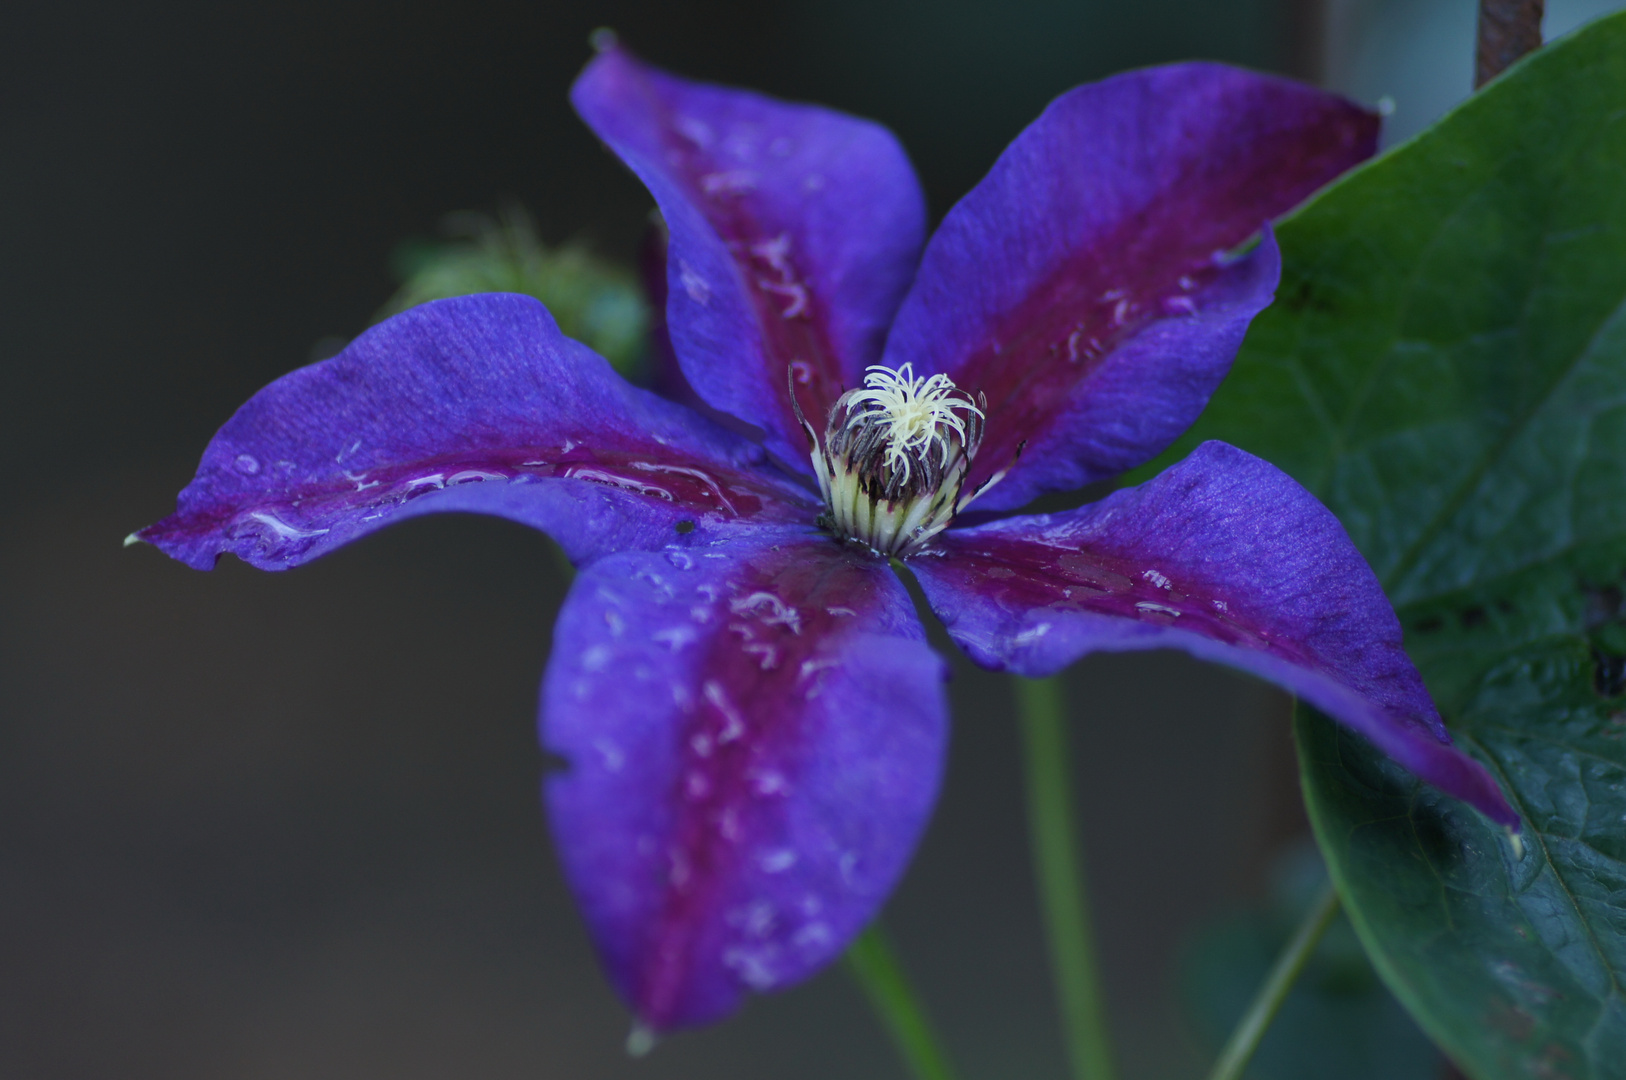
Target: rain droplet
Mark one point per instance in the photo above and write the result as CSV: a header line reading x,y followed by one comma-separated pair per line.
x,y
248,464
753,966
813,936
675,638
640,1040
777,862
729,182
697,288
769,656
734,723
759,918
282,528
679,874
769,782
473,476
613,757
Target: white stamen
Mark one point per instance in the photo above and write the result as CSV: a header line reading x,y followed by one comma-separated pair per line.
x,y
919,412
894,457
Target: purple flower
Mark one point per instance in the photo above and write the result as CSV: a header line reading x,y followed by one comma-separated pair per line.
x,y
754,725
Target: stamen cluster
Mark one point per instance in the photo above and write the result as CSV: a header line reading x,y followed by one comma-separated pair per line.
x,y
894,458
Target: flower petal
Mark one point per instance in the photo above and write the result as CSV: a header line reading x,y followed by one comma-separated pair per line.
x,y
1081,285
794,232
755,736
1225,557
480,404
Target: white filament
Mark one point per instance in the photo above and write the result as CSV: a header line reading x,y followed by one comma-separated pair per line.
x,y
919,413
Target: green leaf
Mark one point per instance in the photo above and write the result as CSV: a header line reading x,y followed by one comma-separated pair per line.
x,y
596,302
1445,366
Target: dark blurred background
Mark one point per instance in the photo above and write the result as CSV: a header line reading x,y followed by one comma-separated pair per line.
x,y
266,826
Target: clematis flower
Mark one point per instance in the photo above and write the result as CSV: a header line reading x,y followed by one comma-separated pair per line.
x,y
753,723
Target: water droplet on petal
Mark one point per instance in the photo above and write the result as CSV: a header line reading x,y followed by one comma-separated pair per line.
x,y
812,937
769,782
613,757
473,476
759,918
777,862
248,464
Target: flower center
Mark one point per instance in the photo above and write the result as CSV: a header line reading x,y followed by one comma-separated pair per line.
x,y
894,458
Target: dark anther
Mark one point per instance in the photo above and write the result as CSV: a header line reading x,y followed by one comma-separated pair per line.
x,y
1608,673
1602,605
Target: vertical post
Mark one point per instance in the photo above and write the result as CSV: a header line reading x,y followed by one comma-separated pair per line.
x,y
1507,30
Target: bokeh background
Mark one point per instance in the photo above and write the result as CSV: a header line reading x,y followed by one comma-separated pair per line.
x,y
274,826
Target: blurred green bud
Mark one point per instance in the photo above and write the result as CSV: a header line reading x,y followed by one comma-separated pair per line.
x,y
595,301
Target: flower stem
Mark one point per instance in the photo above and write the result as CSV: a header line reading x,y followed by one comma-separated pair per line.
x,y
875,966
1059,872
1251,1028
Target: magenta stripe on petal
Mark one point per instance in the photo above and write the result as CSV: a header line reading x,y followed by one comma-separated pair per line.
x,y
1102,230
1225,557
794,231
474,404
755,735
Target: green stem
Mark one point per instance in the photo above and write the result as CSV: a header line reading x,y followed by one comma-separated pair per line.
x,y
1059,872
1251,1028
875,966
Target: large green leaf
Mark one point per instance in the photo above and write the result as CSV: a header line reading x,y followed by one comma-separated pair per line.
x,y
1445,367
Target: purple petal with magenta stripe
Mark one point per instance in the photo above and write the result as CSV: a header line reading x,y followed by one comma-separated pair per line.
x,y
755,735
474,404
1225,557
1083,285
794,231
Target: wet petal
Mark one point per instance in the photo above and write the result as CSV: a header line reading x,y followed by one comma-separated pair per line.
x,y
1225,557
794,232
1082,284
476,404
755,735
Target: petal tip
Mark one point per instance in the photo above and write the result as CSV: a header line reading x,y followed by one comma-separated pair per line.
x,y
641,1039
133,539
